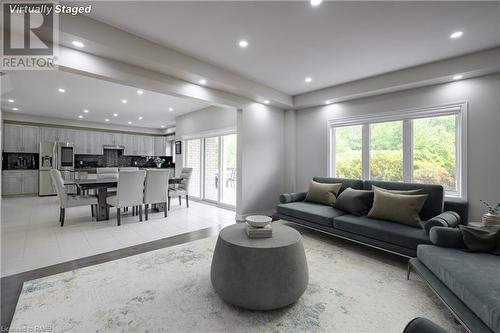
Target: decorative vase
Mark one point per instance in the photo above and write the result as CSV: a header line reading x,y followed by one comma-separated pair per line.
x,y
490,219
158,165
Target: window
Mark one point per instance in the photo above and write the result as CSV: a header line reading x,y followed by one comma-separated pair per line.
x,y
348,152
386,151
434,151
424,146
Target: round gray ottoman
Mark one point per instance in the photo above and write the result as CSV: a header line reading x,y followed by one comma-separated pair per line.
x,y
259,274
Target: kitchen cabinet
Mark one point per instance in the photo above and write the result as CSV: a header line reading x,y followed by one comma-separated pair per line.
x,y
19,182
66,135
162,146
48,134
20,138
147,145
138,145
88,142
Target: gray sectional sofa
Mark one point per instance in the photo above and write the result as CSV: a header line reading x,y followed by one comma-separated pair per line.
x,y
467,282
385,235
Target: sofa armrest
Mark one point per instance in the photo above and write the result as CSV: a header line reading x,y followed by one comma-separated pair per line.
x,y
447,237
292,197
458,206
447,219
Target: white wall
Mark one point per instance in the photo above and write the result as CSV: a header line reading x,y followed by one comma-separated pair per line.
x,y
483,95
261,154
207,119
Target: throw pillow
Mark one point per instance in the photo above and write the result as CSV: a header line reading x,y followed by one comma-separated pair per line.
x,y
323,193
395,207
398,191
445,219
356,202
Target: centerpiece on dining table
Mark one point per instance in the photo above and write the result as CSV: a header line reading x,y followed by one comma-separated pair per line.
x,y
158,161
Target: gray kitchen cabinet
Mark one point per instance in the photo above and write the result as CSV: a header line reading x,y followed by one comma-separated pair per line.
x,y
12,182
162,146
20,139
80,144
88,142
147,145
131,145
30,182
49,134
31,139
66,135
19,182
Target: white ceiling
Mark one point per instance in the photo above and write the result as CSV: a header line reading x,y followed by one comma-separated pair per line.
x,y
36,93
334,43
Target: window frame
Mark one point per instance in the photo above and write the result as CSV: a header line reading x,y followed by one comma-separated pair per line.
x,y
459,109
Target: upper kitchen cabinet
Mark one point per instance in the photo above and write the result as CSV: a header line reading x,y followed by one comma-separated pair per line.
x,y
138,145
49,134
19,138
162,146
89,142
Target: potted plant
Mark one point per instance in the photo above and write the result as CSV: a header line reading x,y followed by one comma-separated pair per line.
x,y
493,215
158,161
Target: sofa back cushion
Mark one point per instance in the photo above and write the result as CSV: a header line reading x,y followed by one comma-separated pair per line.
x,y
352,183
433,206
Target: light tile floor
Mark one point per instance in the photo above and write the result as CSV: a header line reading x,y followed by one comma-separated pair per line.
x,y
32,238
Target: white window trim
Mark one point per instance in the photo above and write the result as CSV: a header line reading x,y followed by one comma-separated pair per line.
x,y
459,108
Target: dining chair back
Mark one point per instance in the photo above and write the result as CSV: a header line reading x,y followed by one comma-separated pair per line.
x,y
68,201
130,188
128,169
156,188
58,183
182,189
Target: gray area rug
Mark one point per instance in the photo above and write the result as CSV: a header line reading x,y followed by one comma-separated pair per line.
x,y
169,290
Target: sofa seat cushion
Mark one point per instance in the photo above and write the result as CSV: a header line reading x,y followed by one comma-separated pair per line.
x,y
309,211
472,277
390,232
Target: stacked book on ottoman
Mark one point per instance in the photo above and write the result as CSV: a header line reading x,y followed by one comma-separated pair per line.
x,y
259,226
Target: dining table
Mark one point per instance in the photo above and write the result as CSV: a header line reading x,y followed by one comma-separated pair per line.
x,y
101,185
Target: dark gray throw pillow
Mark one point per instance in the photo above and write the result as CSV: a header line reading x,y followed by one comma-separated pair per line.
x,y
356,202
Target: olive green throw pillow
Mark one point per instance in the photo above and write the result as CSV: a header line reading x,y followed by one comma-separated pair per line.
x,y
323,193
416,191
400,208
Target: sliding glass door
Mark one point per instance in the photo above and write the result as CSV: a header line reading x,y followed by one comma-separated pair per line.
x,y
213,160
211,175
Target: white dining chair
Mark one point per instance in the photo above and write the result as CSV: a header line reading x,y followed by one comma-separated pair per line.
x,y
128,169
156,189
181,189
69,200
108,172
129,193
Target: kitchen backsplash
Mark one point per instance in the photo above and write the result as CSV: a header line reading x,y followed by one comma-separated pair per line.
x,y
115,158
19,161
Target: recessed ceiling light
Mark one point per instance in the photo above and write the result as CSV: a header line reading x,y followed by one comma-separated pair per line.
x,y
77,43
162,126
170,109
456,34
140,92
315,3
328,101
10,100
130,123
80,116
308,80
15,109
61,90
243,43
107,119
124,101
203,81
267,101
115,114
457,77
140,118
86,111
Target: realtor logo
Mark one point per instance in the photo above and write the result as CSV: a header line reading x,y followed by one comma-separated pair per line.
x,y
29,34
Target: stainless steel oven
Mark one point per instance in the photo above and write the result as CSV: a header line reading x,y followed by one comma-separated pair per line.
x,y
65,158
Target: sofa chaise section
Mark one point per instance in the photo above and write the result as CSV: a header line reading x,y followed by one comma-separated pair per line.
x,y
467,282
